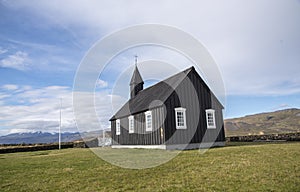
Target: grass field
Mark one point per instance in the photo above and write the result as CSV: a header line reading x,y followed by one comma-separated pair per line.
x,y
263,167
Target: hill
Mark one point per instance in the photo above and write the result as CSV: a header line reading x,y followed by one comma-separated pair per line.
x,y
283,121
44,137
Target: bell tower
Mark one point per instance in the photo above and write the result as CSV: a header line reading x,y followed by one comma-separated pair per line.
x,y
136,83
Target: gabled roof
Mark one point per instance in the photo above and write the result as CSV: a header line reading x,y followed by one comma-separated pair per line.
x,y
160,91
155,96
136,77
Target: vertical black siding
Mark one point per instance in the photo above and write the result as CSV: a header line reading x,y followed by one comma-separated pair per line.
x,y
113,133
219,121
140,136
195,111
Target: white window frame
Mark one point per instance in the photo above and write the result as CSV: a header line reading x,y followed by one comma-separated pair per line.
x,y
147,115
131,124
118,127
210,125
183,111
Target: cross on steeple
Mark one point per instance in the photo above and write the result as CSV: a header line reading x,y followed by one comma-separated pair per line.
x,y
136,59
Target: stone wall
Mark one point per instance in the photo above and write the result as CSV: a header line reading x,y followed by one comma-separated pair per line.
x,y
22,148
271,137
13,148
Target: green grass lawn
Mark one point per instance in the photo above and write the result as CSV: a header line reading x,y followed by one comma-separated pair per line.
x,y
263,167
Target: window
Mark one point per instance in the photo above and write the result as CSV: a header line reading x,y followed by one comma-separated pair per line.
x,y
180,118
148,120
118,127
131,124
210,119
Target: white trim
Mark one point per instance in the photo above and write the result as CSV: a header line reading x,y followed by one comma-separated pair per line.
x,y
172,147
139,146
118,127
182,110
210,125
131,128
147,115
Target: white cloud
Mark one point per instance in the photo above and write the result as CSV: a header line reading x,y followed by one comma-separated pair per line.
x,y
101,84
255,43
3,95
19,61
19,131
2,50
10,87
40,110
281,106
48,55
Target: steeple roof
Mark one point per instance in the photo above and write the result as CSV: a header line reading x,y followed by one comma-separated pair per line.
x,y
136,77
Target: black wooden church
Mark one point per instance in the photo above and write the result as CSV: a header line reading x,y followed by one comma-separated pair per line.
x,y
179,112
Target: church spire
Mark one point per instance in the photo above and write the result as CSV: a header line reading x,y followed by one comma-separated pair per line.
x,y
136,83
136,60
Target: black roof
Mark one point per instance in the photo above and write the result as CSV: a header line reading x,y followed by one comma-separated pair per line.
x,y
136,77
153,96
146,98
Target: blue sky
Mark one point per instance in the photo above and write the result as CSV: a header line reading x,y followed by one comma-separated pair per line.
x,y
255,43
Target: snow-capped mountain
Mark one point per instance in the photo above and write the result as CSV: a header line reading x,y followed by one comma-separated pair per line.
x,y
45,137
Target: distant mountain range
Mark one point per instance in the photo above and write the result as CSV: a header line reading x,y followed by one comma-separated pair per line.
x,y
283,121
44,137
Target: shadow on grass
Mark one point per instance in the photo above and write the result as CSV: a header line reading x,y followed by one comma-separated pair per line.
x,y
39,153
237,143
135,158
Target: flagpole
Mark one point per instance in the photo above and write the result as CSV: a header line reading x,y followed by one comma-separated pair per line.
x,y
103,137
59,131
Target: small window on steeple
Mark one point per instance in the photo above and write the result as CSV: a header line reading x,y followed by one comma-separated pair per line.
x,y
136,83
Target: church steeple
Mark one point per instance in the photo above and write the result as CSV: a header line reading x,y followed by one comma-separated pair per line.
x,y
136,83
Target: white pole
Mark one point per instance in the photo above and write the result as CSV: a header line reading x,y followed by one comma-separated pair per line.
x,y
59,132
103,137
